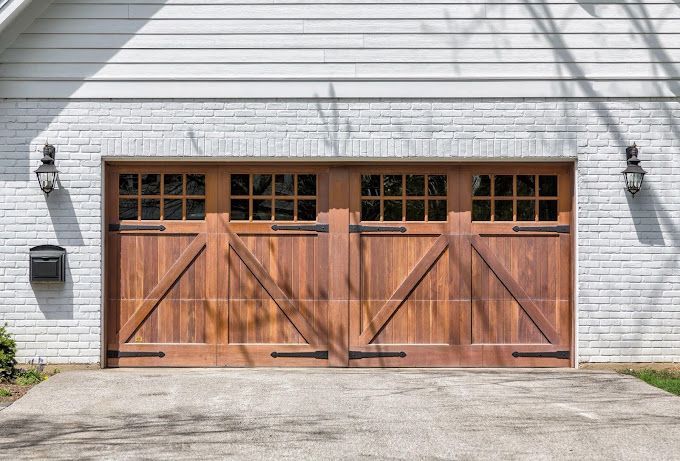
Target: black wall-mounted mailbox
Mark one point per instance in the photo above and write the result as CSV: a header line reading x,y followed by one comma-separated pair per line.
x,y
48,264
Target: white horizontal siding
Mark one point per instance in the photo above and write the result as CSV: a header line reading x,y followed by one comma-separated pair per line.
x,y
346,40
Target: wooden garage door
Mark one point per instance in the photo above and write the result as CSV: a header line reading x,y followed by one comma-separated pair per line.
x,y
161,278
274,289
402,265
460,266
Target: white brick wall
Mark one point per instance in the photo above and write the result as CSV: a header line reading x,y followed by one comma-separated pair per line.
x,y
629,249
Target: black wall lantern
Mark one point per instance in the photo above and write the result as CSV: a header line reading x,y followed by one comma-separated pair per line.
x,y
633,174
47,173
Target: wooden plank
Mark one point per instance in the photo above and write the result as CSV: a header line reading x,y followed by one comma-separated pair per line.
x,y
402,291
262,275
505,277
164,284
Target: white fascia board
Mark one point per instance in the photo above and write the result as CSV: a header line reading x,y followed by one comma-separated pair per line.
x,y
251,89
16,16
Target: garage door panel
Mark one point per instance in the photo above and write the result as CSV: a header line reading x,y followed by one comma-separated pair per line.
x,y
533,263
290,261
278,305
258,321
503,321
387,260
146,258
417,322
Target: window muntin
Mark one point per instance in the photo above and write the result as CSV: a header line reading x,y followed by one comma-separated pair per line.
x,y
273,197
511,198
161,196
404,197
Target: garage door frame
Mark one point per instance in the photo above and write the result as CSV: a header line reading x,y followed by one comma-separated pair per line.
x,y
339,175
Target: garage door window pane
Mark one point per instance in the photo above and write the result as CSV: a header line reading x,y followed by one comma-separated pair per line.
x,y
172,184
283,210
172,209
437,185
502,186
127,184
370,210
415,209
307,210
151,184
306,184
393,210
415,185
370,185
240,184
151,209
503,210
127,209
481,210
436,210
195,209
547,186
547,210
239,210
285,184
195,184
262,210
481,185
262,184
392,184
526,186
526,210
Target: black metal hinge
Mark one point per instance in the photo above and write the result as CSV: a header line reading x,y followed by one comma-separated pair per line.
x,y
563,229
121,354
134,227
357,355
547,355
356,228
320,355
322,228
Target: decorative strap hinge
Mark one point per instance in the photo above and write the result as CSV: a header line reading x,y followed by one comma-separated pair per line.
x,y
562,229
319,355
135,227
124,354
356,228
358,355
547,355
321,228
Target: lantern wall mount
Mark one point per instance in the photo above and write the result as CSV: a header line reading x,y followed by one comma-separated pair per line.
x,y
633,174
47,173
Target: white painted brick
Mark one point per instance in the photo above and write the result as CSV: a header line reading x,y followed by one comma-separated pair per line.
x,y
629,248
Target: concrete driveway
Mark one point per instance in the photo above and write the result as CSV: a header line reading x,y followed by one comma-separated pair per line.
x,y
319,414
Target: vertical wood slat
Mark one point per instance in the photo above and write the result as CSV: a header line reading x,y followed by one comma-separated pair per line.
x,y
338,254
